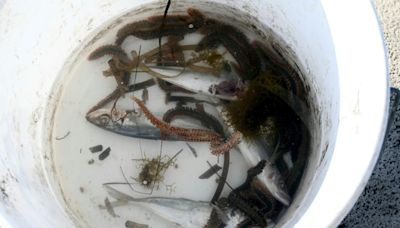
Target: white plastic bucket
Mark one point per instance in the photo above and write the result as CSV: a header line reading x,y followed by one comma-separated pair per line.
x,y
337,44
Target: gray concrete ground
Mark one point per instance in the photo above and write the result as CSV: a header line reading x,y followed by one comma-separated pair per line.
x,y
379,204
389,14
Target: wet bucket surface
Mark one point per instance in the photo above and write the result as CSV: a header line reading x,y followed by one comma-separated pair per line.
x,y
341,104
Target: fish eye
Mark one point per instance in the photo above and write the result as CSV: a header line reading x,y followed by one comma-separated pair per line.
x,y
104,119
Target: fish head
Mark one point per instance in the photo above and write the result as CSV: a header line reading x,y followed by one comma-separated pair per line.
x,y
100,117
108,118
127,123
278,188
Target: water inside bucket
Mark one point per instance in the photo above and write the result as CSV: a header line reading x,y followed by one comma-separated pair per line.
x,y
82,173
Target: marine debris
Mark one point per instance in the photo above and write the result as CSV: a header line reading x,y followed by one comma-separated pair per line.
x,y
152,170
103,155
96,148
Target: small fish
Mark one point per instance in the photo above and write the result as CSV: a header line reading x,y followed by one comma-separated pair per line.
x,y
181,211
126,123
129,124
211,171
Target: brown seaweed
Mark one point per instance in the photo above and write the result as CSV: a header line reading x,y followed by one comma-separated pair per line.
x,y
279,66
249,113
116,93
121,76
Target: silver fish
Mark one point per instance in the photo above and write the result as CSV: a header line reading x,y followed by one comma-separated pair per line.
x,y
130,124
126,123
181,211
253,152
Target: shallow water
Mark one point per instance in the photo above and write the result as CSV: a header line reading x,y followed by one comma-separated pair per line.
x,y
81,173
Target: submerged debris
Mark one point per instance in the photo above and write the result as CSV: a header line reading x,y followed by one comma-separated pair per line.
x,y
211,171
95,149
194,152
109,208
63,137
152,170
104,154
132,224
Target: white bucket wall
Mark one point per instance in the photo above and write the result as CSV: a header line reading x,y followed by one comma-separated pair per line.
x,y
337,44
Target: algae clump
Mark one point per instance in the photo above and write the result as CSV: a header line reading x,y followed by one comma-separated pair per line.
x,y
264,97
